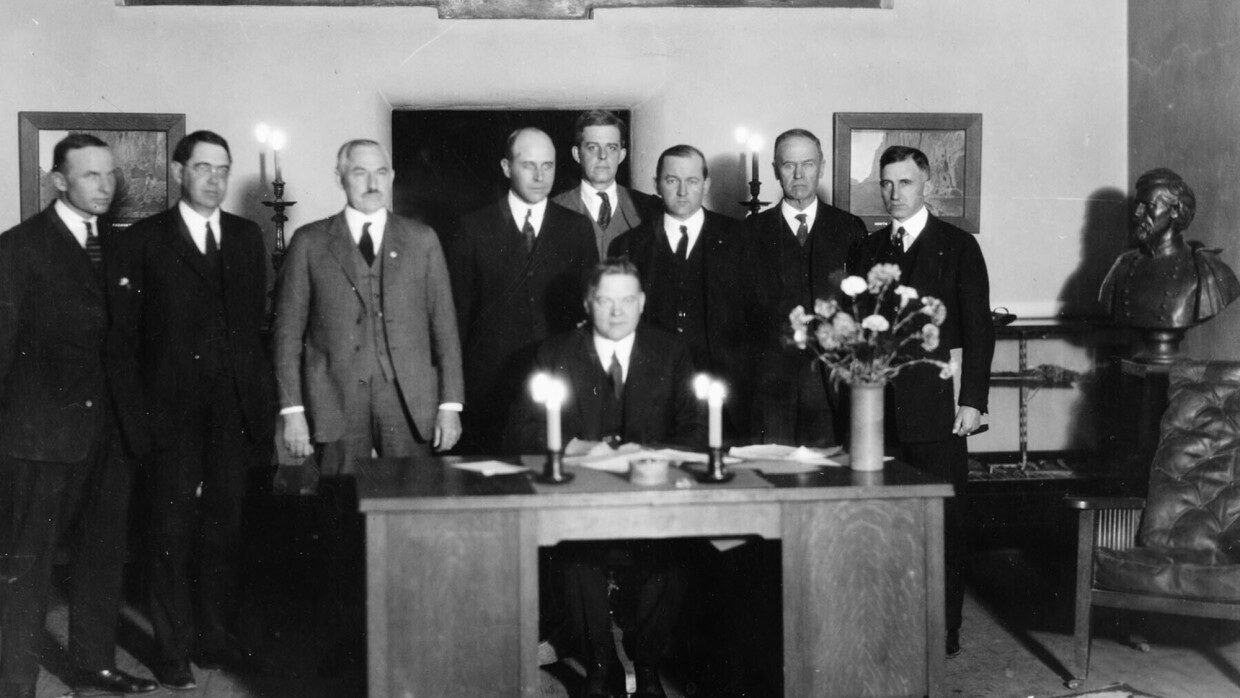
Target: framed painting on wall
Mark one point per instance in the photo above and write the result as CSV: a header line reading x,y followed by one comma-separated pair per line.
x,y
952,143
141,148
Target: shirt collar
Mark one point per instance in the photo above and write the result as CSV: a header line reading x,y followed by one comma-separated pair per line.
x,y
590,196
913,226
621,348
520,207
791,212
74,221
694,223
197,224
356,220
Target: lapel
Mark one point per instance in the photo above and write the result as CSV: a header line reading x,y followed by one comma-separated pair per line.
x,y
340,246
626,209
927,265
68,250
548,236
588,365
395,257
509,243
176,236
638,383
774,235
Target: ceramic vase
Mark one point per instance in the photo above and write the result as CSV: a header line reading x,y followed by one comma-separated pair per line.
x,y
866,444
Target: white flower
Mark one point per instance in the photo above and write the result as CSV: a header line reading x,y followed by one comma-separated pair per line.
x,y
799,336
929,336
948,371
124,281
853,285
906,294
881,275
825,309
875,323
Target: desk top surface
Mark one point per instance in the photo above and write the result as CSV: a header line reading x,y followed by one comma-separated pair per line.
x,y
403,484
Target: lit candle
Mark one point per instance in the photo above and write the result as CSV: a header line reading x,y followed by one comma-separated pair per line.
x,y
742,137
755,146
277,144
551,393
262,132
713,392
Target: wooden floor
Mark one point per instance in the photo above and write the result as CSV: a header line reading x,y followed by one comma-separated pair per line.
x,y
1016,643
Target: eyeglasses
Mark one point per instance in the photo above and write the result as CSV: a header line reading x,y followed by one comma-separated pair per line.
x,y
202,169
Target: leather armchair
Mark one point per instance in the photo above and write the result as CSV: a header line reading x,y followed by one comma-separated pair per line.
x,y
1178,550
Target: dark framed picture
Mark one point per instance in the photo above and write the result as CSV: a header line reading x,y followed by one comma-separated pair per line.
x,y
952,143
141,148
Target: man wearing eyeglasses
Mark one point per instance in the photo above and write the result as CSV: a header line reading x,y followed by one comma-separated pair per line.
x,y
626,383
599,147
190,302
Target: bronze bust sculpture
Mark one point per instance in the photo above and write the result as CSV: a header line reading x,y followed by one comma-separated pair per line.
x,y
1164,285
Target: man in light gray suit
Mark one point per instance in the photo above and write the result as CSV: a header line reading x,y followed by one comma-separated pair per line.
x,y
366,346
599,147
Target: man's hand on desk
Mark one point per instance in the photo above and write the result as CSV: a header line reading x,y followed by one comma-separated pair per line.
x,y
297,435
447,429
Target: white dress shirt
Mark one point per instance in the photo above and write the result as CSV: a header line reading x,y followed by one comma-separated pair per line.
x,y
912,227
75,223
520,208
197,224
621,348
356,220
791,212
590,197
671,228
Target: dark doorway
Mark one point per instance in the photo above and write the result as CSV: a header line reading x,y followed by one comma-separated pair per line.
x,y
447,161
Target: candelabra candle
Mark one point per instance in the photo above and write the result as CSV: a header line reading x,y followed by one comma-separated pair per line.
x,y
713,392
551,393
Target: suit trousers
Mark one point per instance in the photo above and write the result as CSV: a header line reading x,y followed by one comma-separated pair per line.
x,y
655,584
198,484
796,406
948,460
83,505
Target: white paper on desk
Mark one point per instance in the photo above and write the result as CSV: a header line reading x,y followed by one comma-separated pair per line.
x,y
616,461
490,467
790,454
676,455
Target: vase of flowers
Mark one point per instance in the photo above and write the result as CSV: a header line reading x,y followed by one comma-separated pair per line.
x,y
877,329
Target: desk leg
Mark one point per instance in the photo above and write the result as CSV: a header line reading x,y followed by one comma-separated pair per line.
x,y
857,589
445,597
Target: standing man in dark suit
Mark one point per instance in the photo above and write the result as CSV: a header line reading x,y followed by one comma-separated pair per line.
x,y
802,247
940,260
632,384
64,472
367,355
517,268
598,146
701,281
189,312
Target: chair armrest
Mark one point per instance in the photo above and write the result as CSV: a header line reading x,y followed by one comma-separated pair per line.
x,y
1104,502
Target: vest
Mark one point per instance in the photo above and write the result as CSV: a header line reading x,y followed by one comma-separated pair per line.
x,y
373,330
677,298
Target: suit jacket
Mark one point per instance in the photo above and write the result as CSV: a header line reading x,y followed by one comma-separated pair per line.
x,y
318,307
631,208
53,326
948,265
733,306
160,289
659,402
508,301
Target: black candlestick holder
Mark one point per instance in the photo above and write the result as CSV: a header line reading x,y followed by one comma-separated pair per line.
x,y
278,205
754,205
553,470
716,472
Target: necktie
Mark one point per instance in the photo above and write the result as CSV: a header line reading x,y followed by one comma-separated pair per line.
x,y
803,229
897,239
93,250
527,231
617,377
212,247
366,245
604,211
682,247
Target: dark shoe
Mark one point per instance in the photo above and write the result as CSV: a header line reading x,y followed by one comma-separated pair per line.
x,y
112,681
953,643
17,690
176,675
648,683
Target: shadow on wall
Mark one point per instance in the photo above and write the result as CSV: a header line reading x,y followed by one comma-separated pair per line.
x,y
1104,236
729,185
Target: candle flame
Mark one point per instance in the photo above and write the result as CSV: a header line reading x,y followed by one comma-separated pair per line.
x,y
701,385
716,392
278,140
755,142
262,132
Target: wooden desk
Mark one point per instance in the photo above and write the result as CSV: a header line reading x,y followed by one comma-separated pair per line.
x,y
452,572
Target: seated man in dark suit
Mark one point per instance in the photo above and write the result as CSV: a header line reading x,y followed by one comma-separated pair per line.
x,y
626,383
